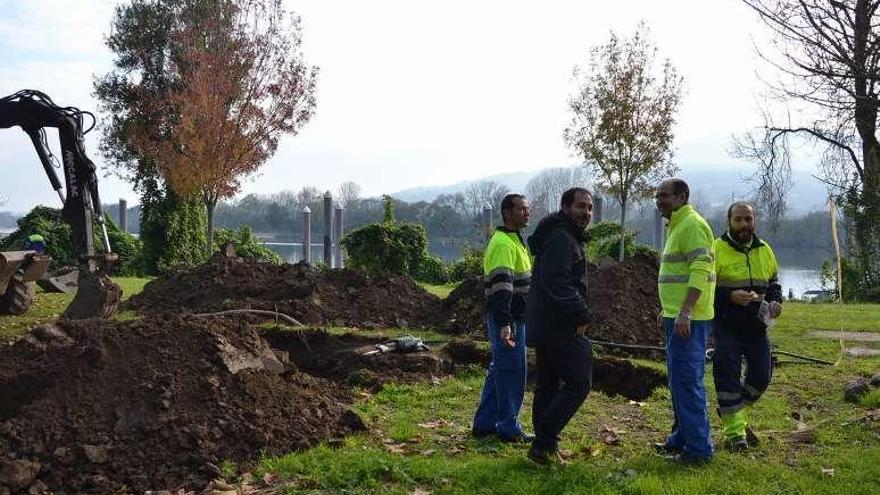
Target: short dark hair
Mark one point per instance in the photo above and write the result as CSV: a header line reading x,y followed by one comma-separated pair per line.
x,y
507,203
736,205
569,194
680,187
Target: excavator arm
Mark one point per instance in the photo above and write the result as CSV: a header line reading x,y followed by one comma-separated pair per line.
x,y
33,111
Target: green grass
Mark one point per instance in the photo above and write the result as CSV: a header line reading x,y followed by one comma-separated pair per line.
x,y
440,291
419,436
49,306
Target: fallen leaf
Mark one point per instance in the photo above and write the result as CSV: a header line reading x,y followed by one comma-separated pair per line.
x,y
435,380
609,435
637,403
828,472
432,424
427,452
396,448
421,491
873,415
803,434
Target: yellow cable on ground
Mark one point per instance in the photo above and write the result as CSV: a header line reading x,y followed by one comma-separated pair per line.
x,y
832,206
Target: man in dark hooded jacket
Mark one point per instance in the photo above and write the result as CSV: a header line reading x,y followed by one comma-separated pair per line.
x,y
558,318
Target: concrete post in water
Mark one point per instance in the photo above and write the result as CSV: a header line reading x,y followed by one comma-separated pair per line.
x,y
123,215
328,229
337,234
487,221
307,235
598,208
658,231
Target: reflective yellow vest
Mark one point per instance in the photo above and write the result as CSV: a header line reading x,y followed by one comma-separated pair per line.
x,y
749,268
688,260
507,270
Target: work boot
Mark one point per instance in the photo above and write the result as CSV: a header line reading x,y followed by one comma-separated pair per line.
x,y
665,449
542,456
521,437
736,444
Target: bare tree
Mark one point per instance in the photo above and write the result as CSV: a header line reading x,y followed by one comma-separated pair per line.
x,y
546,188
771,181
308,195
348,192
481,194
623,116
828,55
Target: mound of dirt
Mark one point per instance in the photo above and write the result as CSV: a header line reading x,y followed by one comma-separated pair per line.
x,y
623,301
113,407
461,313
312,296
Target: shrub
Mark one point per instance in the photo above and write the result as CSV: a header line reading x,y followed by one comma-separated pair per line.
x,y
247,245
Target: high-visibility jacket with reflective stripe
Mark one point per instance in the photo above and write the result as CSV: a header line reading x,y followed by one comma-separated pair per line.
x,y
688,260
507,270
749,267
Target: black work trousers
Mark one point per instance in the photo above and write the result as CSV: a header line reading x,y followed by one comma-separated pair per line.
x,y
564,376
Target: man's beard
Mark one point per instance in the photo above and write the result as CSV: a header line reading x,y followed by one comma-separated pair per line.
x,y
743,235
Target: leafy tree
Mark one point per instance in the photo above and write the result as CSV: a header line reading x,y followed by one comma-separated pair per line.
x,y
623,116
829,56
241,83
141,39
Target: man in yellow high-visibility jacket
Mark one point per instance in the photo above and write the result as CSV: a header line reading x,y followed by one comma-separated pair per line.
x,y
747,299
507,269
687,286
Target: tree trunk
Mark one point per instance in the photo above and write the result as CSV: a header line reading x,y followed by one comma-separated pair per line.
x,y
209,228
622,229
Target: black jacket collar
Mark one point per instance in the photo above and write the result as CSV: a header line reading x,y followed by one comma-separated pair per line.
x,y
756,242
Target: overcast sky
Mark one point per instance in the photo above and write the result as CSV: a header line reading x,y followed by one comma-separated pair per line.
x,y
413,93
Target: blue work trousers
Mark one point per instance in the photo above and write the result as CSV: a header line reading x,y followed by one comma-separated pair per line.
x,y
505,385
686,367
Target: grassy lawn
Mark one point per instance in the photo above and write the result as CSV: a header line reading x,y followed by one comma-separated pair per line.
x,y
49,306
418,439
419,442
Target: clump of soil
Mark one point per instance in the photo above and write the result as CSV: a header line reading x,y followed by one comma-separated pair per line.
x,y
312,296
462,312
100,407
623,302
344,358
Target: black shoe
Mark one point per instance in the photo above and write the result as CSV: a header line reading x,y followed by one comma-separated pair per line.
x,y
481,433
736,444
665,448
689,460
521,437
542,457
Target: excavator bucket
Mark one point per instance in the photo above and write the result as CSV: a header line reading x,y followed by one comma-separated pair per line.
x,y
62,281
96,297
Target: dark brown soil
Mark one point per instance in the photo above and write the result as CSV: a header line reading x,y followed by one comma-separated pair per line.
x,y
611,376
100,407
342,358
312,296
623,302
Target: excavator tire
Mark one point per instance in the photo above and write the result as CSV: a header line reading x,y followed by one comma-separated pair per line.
x,y
19,295
96,297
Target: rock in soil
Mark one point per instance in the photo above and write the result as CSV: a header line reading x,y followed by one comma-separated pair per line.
x,y
855,389
157,403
